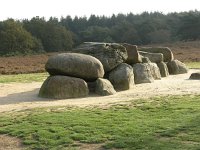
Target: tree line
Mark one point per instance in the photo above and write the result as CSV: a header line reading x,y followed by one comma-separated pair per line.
x,y
62,34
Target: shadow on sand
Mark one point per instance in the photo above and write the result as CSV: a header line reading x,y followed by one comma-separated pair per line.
x,y
29,96
32,96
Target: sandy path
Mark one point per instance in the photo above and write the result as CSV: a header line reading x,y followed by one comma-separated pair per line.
x,y
21,96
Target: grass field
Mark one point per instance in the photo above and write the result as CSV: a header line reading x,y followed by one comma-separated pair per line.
x,y
23,78
193,65
158,123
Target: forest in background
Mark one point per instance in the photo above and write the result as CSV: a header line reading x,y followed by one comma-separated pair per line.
x,y
62,34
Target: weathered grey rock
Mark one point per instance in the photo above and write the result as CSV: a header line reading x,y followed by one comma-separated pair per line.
x,y
76,65
122,77
163,69
133,55
62,87
104,87
142,73
145,59
153,57
167,53
195,76
155,72
110,54
176,67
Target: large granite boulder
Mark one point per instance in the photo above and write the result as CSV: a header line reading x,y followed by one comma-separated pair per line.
x,y
133,55
62,87
155,72
122,77
76,65
167,53
142,73
163,69
195,76
153,57
176,67
104,87
110,54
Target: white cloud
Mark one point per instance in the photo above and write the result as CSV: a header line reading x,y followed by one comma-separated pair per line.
x,y
19,9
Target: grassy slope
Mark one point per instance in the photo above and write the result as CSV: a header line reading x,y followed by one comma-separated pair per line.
x,y
157,123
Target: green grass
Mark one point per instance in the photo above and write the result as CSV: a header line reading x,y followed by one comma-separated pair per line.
x,y
23,78
159,123
193,65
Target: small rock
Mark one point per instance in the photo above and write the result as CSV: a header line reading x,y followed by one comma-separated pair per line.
x,y
104,87
195,76
145,60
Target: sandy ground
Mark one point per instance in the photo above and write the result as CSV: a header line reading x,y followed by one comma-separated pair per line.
x,y
10,143
22,96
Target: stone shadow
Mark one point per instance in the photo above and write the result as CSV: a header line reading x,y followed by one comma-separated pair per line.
x,y
15,98
32,96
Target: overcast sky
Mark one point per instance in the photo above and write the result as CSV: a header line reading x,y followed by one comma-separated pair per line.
x,y
20,9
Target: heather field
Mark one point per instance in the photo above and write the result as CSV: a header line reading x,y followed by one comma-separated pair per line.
x,y
184,51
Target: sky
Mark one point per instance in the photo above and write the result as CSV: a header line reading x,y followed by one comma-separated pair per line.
x,y
26,9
